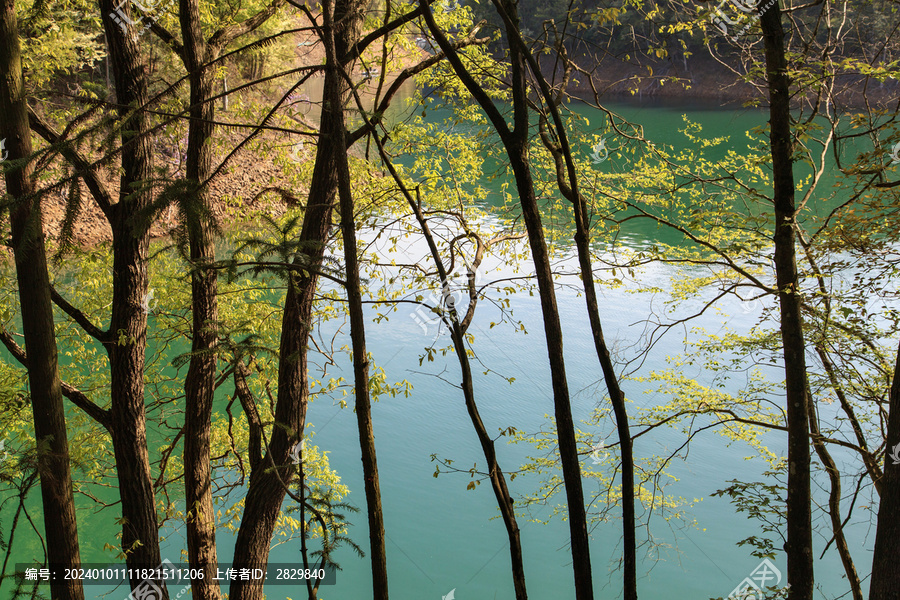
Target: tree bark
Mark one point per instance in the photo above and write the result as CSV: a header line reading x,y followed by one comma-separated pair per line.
x,y
885,571
799,519
128,322
60,525
199,384
565,426
265,493
199,56
616,398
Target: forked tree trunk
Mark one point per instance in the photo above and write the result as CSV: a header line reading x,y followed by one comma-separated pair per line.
x,y
565,425
60,528
799,519
515,142
199,56
458,330
616,398
834,504
567,180
502,495
265,493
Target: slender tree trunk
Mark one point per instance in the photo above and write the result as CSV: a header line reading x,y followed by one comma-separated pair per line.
x,y
834,504
565,426
799,520
616,398
60,526
885,580
565,170
516,148
361,380
515,142
495,473
199,385
265,494
131,241
834,474
517,151
457,331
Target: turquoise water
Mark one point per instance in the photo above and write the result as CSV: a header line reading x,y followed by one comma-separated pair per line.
x,y
443,537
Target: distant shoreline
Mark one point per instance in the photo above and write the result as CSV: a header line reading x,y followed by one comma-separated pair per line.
x,y
704,80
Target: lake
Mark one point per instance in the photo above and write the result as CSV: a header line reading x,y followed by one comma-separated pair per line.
x,y
443,537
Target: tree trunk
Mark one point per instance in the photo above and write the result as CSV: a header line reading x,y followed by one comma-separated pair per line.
x,y
495,473
199,385
565,426
128,322
60,525
515,141
565,170
265,493
517,151
616,398
361,377
457,331
885,571
799,521
834,504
